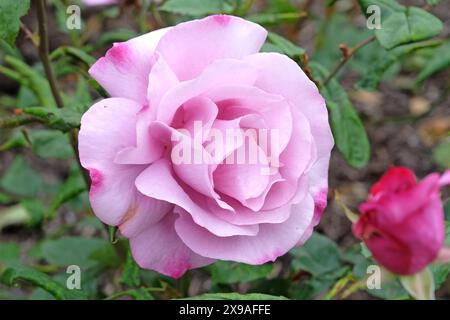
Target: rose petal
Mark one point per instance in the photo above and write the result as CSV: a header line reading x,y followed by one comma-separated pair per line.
x,y
192,46
159,248
272,240
158,182
217,74
124,70
107,127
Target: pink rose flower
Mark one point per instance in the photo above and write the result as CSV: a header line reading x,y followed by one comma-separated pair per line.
x,y
206,73
402,222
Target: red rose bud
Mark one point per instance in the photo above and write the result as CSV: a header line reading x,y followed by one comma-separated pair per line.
x,y
402,222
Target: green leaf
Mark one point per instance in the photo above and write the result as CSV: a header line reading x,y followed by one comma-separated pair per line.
x,y
16,140
10,13
50,144
91,222
420,285
447,223
447,217
365,251
195,7
235,296
32,79
11,275
318,256
401,25
379,68
131,271
327,42
74,52
79,251
106,256
439,62
140,294
441,154
411,25
4,198
231,272
390,290
312,287
9,254
276,17
387,6
72,187
348,131
35,209
280,44
440,274
20,179
433,2
116,35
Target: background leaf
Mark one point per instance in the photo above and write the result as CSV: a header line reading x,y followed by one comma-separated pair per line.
x,y
21,179
348,131
231,272
10,13
196,7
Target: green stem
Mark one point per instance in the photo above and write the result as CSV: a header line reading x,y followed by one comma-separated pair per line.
x,y
44,51
361,284
338,287
17,121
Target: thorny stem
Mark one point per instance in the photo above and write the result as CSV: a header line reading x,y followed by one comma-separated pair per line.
x,y
16,121
346,57
44,51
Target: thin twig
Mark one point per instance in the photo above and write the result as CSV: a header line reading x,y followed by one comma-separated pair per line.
x,y
29,35
347,56
44,51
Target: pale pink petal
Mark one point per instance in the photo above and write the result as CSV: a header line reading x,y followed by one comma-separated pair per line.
x,y
107,127
146,213
190,161
161,80
147,148
217,74
159,248
158,182
272,240
272,109
197,117
281,75
245,173
300,151
245,216
123,71
191,46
